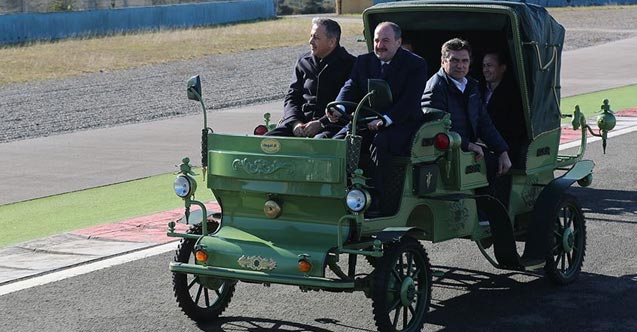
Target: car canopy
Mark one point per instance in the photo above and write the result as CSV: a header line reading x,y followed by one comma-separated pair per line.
x,y
532,38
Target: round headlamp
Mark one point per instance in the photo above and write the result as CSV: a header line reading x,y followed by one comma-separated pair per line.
x,y
357,200
183,187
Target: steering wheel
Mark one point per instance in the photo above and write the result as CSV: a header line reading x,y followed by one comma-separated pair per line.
x,y
362,121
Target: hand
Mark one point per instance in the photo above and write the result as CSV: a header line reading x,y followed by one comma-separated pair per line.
x,y
299,129
477,149
504,163
312,128
375,125
332,115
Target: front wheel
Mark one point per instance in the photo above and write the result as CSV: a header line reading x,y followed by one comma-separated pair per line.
x,y
401,291
568,249
200,303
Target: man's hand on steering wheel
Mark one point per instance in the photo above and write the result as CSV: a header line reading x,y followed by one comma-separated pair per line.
x,y
336,111
375,125
333,114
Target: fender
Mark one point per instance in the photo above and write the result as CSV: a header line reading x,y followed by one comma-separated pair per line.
x,y
538,244
195,217
394,234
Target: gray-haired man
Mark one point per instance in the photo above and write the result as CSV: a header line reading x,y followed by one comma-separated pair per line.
x,y
318,77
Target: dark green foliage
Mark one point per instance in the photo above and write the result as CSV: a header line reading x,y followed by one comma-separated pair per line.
x,y
289,7
61,6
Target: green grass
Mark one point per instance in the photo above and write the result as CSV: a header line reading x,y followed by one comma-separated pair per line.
x,y
62,213
590,103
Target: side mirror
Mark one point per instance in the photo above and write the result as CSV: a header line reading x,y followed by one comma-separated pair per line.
x,y
382,98
194,88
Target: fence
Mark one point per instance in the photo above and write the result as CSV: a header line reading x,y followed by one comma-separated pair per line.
x,y
44,6
20,28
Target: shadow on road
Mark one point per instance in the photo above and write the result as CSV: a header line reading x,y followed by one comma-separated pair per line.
x,y
607,202
512,302
239,323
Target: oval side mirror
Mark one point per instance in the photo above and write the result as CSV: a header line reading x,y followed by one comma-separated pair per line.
x,y
194,88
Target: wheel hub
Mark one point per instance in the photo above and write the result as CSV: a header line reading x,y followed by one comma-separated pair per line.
x,y
568,240
407,291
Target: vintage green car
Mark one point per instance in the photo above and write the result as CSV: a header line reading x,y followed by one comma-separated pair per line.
x,y
292,209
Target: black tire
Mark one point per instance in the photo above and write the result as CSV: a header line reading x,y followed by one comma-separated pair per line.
x,y
401,291
195,300
568,245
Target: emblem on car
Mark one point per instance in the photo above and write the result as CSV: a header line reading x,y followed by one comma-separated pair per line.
x,y
270,145
256,263
429,175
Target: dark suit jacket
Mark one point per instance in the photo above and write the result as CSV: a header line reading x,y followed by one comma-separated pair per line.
x,y
505,109
314,85
406,77
469,117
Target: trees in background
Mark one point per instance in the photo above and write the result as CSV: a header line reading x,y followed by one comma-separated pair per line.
x,y
290,7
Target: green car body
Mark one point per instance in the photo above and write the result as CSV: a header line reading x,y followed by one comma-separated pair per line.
x,y
285,216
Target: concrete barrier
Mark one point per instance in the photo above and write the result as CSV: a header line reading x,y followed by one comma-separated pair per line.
x,y
20,28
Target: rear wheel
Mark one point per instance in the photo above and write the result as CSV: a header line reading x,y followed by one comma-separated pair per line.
x,y
402,287
569,242
200,303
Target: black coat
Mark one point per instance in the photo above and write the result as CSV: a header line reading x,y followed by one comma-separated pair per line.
x,y
314,85
406,78
469,117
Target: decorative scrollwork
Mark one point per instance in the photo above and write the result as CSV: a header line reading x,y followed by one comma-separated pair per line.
x,y
256,263
459,216
531,191
260,166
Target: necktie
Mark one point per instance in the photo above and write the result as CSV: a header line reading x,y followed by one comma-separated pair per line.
x,y
383,69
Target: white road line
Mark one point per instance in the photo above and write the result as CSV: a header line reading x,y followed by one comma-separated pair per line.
x,y
87,268
632,127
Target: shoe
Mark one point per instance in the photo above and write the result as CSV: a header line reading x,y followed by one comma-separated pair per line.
x,y
532,264
484,223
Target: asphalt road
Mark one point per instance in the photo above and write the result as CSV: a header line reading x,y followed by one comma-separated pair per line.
x,y
470,296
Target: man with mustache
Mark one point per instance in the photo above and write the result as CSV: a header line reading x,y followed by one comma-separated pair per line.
x,y
318,76
392,134
451,90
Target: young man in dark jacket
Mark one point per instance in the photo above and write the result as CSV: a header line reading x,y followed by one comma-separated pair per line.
x,y
318,76
503,101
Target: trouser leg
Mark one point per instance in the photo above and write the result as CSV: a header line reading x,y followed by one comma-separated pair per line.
x,y
380,168
280,131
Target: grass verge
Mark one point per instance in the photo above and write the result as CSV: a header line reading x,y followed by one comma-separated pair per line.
x,y
66,212
590,103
